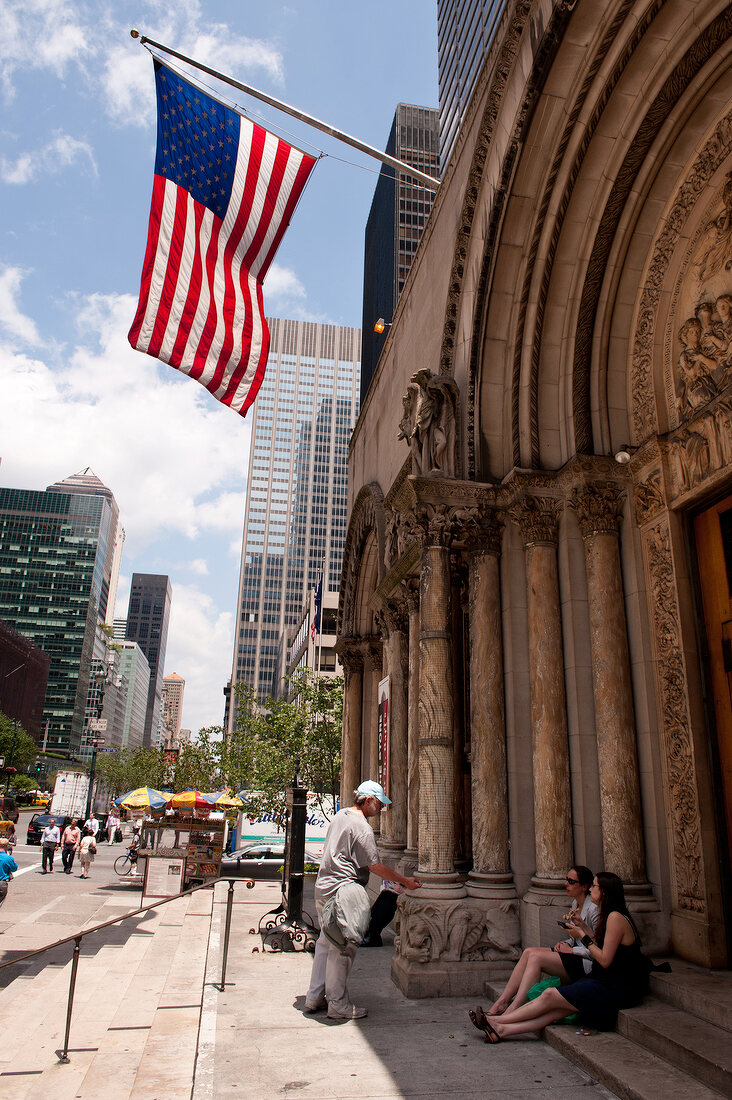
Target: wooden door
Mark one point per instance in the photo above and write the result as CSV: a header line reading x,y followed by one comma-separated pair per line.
x,y
713,531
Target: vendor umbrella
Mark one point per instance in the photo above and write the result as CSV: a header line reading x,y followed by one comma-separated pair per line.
x,y
190,800
224,801
142,798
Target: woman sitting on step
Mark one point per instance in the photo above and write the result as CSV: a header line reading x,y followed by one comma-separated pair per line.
x,y
567,960
618,978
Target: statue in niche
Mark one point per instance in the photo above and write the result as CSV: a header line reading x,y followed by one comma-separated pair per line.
x,y
718,254
704,366
429,423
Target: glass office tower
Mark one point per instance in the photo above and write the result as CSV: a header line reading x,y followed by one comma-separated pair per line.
x,y
148,613
464,32
57,551
295,518
398,214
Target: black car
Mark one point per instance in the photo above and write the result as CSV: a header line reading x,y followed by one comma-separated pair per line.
x,y
263,859
38,823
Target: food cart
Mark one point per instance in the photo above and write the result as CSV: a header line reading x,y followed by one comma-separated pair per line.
x,y
182,849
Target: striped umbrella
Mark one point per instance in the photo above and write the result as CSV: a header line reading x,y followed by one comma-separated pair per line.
x,y
142,798
189,800
224,801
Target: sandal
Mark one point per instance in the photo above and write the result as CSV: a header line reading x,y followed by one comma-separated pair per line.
x,y
491,1035
478,1018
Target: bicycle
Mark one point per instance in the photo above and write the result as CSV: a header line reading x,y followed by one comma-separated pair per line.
x,y
126,864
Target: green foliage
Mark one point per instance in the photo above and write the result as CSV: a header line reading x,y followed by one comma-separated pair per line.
x,y
26,749
270,737
127,769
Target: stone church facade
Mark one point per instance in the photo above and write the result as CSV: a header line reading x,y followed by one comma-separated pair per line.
x,y
539,552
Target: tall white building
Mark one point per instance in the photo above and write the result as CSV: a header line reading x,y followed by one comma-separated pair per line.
x,y
173,689
295,519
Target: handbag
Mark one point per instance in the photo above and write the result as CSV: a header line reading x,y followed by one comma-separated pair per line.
x,y
93,848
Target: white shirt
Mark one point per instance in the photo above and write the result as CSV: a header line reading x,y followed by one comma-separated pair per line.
x,y
51,835
92,824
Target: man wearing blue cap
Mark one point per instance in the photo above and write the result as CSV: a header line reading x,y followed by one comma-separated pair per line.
x,y
350,855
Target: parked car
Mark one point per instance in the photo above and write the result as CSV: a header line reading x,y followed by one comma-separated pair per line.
x,y
9,807
260,860
38,823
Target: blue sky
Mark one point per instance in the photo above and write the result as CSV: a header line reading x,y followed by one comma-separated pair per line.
x,y
77,143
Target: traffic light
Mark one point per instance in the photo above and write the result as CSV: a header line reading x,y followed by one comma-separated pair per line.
x,y
38,765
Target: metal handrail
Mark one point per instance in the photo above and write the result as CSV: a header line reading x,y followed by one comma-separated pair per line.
x,y
77,937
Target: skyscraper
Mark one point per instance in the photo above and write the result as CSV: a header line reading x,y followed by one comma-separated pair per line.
x,y
398,214
173,689
147,624
464,32
295,519
136,672
57,555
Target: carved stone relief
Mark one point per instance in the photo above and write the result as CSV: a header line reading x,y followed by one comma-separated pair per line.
x,y
702,446
649,499
457,932
674,720
429,424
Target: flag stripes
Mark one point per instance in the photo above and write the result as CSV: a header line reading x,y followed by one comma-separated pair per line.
x,y
213,233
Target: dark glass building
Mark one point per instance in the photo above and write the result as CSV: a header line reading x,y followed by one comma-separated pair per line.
x,y
147,624
295,519
464,31
57,553
398,214
23,679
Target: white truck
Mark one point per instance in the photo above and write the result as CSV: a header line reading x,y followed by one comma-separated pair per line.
x,y
69,794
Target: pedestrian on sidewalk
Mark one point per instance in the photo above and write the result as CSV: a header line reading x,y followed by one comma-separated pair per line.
x,y
350,855
113,824
70,845
92,824
50,841
87,851
7,866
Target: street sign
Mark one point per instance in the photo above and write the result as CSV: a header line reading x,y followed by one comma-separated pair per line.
x,y
106,750
98,725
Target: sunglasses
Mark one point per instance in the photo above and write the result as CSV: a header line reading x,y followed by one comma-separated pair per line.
x,y
572,881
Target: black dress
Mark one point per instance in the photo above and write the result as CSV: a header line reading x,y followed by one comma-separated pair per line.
x,y
601,993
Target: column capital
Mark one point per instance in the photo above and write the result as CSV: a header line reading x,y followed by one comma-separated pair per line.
x,y
537,518
481,530
598,506
373,654
431,524
411,593
349,654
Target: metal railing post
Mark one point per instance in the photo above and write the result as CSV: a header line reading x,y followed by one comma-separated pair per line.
x,y
227,929
63,1055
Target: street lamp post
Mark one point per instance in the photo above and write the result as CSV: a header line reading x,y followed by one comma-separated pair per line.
x,y
102,679
9,771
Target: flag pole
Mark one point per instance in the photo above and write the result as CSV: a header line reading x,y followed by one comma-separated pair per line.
x,y
399,165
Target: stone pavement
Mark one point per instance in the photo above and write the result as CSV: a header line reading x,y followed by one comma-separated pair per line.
x,y
256,1043
150,1024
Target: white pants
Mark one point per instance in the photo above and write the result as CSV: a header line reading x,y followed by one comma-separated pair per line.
x,y
331,968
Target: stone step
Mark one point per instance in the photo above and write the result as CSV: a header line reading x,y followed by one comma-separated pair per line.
x,y
625,1068
703,993
694,1045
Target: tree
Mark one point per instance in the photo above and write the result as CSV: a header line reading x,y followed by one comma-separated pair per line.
x,y
128,768
269,737
25,750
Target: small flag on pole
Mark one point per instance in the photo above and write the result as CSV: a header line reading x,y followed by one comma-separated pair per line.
x,y
315,628
223,195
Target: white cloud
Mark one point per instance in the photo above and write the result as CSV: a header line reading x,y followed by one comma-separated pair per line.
x,y
199,650
174,459
283,286
42,34
12,320
61,152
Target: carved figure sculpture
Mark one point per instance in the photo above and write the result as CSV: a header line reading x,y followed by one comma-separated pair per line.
x,y
695,385
718,253
429,423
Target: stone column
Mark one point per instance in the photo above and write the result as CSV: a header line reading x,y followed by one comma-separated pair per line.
x,y
352,662
411,852
538,518
394,823
374,665
491,874
598,509
436,717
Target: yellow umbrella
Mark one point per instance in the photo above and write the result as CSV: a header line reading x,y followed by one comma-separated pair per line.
x,y
190,800
143,798
224,801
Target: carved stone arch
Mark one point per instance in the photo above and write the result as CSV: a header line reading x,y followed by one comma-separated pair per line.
x,y
363,559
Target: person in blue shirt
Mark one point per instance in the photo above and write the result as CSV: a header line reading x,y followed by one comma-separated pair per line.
x,y
7,866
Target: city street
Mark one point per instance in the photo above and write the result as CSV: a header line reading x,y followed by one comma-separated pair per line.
x,y
41,909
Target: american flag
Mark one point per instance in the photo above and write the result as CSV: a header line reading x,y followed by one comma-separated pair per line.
x,y
223,195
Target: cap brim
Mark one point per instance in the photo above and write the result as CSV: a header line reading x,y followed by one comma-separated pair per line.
x,y
385,801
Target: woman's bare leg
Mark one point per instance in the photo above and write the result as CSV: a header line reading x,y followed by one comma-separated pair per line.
x,y
535,1015
511,987
543,959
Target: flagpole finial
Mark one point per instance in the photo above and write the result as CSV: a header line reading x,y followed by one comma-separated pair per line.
x,y
134,33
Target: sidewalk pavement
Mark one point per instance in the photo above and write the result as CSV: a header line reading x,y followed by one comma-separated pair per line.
x,y
256,1043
